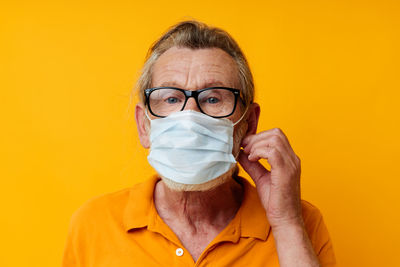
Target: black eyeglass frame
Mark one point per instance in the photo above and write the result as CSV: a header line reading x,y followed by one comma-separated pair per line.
x,y
193,94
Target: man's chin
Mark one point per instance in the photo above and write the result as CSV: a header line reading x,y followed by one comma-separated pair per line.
x,y
201,187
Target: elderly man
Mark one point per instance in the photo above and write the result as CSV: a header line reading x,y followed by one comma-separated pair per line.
x,y
198,118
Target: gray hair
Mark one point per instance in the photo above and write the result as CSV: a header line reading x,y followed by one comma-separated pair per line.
x,y
197,35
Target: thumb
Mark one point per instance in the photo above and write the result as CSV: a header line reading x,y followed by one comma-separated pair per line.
x,y
254,168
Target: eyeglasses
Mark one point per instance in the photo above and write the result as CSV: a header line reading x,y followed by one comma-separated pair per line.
x,y
217,102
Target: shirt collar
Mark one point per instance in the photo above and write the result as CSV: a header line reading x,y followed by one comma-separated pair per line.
x,y
253,219
250,219
138,209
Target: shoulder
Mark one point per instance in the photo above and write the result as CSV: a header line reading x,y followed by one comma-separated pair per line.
x,y
318,233
310,211
312,217
110,207
97,219
100,207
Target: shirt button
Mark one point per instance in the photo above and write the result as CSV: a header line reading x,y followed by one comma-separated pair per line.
x,y
179,252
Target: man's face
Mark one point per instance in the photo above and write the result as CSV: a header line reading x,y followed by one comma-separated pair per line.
x,y
193,70
197,69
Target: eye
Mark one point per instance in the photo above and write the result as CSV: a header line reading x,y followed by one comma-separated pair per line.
x,y
172,100
212,100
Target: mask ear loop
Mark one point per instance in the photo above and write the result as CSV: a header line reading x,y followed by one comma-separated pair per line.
x,y
244,113
147,114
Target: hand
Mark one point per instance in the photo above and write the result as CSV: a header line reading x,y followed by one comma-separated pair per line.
x,y
278,189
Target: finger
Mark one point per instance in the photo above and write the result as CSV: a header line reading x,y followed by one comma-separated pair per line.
x,y
253,168
276,131
271,153
280,133
261,150
269,142
276,136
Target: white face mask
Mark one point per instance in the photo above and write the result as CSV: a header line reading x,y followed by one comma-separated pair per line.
x,y
189,147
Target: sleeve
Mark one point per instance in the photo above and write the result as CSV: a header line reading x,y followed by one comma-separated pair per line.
x,y
72,246
86,232
319,235
81,235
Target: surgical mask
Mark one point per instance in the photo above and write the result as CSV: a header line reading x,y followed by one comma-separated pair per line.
x,y
189,147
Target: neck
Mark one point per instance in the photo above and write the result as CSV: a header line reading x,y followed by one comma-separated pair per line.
x,y
199,209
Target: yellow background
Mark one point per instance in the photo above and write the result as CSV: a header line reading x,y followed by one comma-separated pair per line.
x,y
326,72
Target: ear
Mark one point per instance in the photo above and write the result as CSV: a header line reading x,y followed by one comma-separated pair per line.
x,y
252,118
141,122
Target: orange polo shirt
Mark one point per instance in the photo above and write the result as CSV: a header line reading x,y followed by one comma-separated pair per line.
x,y
123,229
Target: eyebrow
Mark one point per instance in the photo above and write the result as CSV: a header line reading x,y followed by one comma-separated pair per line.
x,y
211,83
169,84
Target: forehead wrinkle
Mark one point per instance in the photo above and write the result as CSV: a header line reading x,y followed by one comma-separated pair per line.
x,y
216,74
170,76
194,71
233,80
